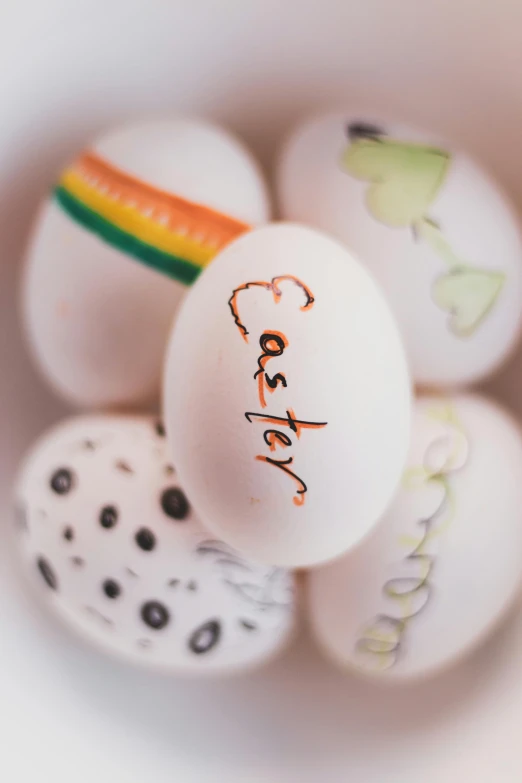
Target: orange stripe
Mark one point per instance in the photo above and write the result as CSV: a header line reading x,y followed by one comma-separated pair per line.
x,y
174,212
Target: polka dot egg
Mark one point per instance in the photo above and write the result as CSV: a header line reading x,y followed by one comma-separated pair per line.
x,y
105,526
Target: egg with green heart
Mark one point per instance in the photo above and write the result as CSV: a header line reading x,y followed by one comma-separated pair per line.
x,y
436,231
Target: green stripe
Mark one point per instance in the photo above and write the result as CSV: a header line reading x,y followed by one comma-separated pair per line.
x,y
170,265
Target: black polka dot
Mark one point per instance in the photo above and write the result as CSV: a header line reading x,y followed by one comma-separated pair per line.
x,y
111,588
47,573
205,637
145,539
248,625
174,503
68,533
108,517
160,429
62,481
155,615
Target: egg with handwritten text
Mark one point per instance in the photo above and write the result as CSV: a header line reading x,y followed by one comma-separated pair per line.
x,y
287,397
445,563
436,231
127,229
118,554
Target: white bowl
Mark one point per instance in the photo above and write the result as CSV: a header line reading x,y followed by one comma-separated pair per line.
x,y
72,69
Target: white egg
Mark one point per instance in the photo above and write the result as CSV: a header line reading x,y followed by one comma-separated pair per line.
x,y
130,224
445,563
435,230
122,559
287,397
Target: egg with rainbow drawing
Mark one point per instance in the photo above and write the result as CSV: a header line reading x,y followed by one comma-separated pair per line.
x,y
128,227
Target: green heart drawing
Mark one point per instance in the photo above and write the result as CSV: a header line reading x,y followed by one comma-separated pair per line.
x,y
467,295
404,181
405,178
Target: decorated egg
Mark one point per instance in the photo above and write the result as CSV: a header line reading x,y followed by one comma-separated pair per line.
x,y
445,563
435,230
110,537
127,229
287,397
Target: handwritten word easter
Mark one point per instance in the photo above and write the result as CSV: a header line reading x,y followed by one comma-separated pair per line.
x,y
273,344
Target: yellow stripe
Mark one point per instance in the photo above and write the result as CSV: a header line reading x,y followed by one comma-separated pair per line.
x,y
130,220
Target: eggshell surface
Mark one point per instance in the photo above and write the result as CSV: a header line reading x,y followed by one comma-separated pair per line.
x,y
128,227
432,226
445,563
119,555
287,397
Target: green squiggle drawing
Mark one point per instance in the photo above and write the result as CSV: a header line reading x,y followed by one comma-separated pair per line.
x,y
382,641
405,179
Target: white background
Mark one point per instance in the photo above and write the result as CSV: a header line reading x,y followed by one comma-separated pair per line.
x,y
69,68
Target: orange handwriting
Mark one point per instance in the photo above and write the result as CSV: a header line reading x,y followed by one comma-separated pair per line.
x,y
277,294
273,344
